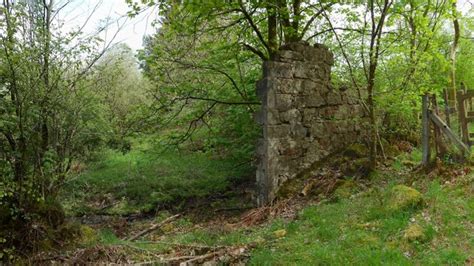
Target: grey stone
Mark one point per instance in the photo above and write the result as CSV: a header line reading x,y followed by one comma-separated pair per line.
x,y
273,117
312,101
303,118
289,86
289,56
334,98
284,102
275,69
310,115
290,115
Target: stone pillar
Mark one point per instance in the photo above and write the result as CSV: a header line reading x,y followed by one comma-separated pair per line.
x,y
303,118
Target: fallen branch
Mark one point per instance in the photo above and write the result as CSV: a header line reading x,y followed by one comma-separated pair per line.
x,y
202,257
181,245
234,252
153,227
232,209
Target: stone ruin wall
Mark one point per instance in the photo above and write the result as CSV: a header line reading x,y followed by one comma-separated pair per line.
x,y
304,118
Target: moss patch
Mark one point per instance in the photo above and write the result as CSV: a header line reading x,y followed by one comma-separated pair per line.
x,y
345,190
403,197
356,150
88,235
414,232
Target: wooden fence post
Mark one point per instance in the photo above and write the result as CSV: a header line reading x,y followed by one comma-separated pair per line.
x,y
440,148
426,130
447,108
462,117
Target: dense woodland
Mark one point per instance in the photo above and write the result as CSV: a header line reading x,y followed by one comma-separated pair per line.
x,y
109,155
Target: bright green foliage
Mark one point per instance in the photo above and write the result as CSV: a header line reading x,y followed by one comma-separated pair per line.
x,y
64,108
49,117
204,89
122,92
464,64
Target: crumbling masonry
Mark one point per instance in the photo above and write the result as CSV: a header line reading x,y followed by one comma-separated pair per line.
x,y
304,119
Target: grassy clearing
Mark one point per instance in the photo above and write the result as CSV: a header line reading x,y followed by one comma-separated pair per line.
x,y
142,180
359,228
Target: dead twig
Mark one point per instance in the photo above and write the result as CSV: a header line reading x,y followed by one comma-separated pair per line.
x,y
234,252
181,245
153,227
202,257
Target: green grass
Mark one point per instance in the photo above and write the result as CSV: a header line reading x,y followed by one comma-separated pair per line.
x,y
142,180
360,230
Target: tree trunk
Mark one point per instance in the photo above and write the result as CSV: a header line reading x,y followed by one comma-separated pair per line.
x,y
272,29
374,52
452,73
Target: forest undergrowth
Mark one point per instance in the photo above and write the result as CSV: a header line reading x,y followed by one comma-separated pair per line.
x,y
118,154
397,215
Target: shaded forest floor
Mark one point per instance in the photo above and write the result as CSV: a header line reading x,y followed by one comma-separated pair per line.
x,y
337,215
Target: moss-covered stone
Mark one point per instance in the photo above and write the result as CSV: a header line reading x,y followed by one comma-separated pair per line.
x,y
402,197
414,233
88,235
279,233
168,227
120,208
291,187
358,166
355,150
345,190
391,150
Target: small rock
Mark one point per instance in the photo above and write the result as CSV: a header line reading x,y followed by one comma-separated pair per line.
x,y
279,233
356,150
260,240
345,190
404,197
167,228
414,233
88,235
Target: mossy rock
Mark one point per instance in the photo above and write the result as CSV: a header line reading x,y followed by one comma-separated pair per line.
x,y
291,187
345,189
403,197
120,208
88,235
169,227
279,233
413,233
356,150
69,231
391,150
358,166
